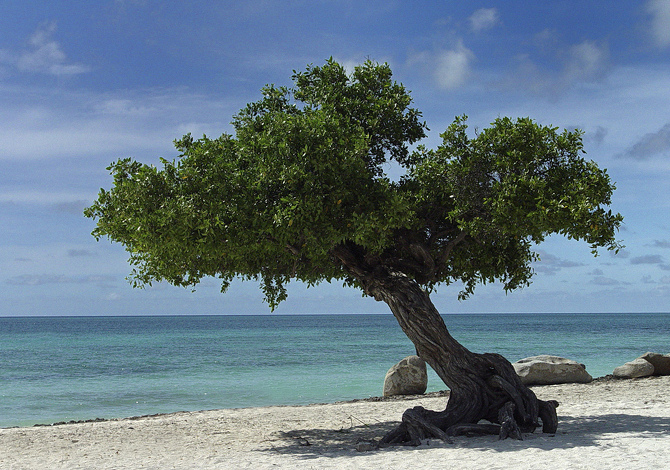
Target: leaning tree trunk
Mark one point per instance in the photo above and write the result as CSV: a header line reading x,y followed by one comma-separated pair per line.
x,y
482,386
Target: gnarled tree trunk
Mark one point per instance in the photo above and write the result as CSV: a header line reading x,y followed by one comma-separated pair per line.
x,y
482,386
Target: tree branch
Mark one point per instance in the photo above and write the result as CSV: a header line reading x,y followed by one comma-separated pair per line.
x,y
451,245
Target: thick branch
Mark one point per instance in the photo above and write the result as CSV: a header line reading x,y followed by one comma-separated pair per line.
x,y
446,252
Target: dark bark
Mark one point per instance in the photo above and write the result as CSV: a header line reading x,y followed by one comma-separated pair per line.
x,y
482,386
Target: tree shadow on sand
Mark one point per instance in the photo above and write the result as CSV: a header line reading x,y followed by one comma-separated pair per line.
x,y
580,431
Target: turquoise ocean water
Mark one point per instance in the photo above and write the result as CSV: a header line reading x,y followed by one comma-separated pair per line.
x,y
74,368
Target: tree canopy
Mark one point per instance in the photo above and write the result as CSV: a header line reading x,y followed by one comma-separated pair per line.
x,y
304,177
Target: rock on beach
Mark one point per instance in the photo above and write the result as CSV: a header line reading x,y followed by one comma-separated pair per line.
x,y
550,370
648,364
634,369
661,362
407,377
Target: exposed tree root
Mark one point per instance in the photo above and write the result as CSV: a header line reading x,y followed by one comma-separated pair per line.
x,y
500,405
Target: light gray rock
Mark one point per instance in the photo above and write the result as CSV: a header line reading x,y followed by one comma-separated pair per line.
x,y
408,377
661,362
548,370
634,369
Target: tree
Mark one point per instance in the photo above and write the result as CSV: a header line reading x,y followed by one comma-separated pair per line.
x,y
300,192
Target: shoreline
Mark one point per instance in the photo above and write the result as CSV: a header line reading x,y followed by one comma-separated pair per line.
x,y
608,423
434,394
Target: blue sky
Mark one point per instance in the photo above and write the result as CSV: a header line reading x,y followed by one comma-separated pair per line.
x,y
85,83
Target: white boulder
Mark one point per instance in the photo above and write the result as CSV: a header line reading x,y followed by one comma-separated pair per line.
x,y
548,370
408,377
631,370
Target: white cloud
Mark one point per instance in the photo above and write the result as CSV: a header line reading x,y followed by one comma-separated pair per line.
x,y
53,123
46,56
74,207
349,64
79,253
43,279
586,61
453,67
660,21
113,296
483,19
61,200
605,281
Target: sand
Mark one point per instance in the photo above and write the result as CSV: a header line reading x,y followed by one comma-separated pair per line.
x,y
616,424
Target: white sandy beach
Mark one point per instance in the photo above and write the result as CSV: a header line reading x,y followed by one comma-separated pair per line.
x,y
622,424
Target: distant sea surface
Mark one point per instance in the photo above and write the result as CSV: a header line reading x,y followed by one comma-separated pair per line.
x,y
75,368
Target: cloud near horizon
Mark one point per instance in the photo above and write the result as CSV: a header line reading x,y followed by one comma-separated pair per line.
x,y
651,144
647,259
42,279
661,244
551,264
74,253
605,281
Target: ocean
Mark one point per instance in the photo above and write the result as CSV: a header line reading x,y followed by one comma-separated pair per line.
x,y
55,369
